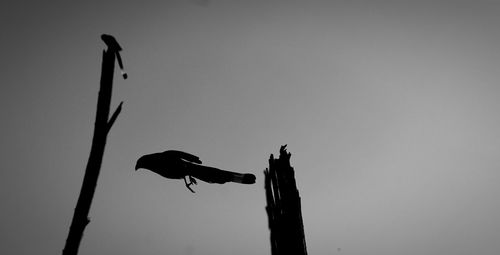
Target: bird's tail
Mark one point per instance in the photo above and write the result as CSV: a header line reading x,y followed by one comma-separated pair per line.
x,y
244,178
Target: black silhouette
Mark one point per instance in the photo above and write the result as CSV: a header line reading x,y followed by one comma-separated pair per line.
x,y
103,124
174,164
113,46
283,207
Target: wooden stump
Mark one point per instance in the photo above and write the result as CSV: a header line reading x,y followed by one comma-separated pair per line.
x,y
283,207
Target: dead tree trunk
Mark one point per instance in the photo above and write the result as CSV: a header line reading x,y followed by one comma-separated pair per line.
x,y
283,207
101,129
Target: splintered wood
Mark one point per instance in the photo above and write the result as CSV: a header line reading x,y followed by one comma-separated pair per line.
x,y
283,207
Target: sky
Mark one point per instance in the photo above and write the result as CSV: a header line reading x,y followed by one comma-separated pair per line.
x,y
389,108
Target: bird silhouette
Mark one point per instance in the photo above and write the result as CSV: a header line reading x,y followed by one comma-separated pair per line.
x,y
113,45
174,164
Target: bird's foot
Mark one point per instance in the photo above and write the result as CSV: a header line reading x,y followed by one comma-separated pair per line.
x,y
191,182
189,188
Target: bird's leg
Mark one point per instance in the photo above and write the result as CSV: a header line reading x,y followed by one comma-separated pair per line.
x,y
191,182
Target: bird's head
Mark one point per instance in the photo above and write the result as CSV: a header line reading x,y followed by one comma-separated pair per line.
x,y
140,163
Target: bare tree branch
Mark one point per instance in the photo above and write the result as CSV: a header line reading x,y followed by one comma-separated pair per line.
x,y
101,128
115,115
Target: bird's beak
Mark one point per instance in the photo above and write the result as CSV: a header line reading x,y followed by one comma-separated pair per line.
x,y
137,167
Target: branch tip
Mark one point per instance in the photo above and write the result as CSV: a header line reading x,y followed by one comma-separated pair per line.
x,y
115,115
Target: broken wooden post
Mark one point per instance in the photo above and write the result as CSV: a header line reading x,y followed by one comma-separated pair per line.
x,y
283,207
102,126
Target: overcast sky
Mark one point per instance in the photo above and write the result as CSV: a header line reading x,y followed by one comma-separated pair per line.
x,y
390,111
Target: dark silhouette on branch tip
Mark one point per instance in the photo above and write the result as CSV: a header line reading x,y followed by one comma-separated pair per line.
x,y
174,164
113,45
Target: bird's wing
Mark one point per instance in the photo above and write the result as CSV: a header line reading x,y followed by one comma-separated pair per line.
x,y
183,155
157,161
215,175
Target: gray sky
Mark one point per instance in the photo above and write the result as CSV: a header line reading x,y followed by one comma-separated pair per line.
x,y
390,111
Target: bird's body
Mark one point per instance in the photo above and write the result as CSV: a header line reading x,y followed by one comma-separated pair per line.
x,y
111,42
179,165
115,47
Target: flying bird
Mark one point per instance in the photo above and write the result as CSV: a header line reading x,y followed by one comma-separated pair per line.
x,y
174,164
113,45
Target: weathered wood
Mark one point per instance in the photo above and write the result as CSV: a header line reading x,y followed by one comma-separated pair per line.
x,y
283,207
101,128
